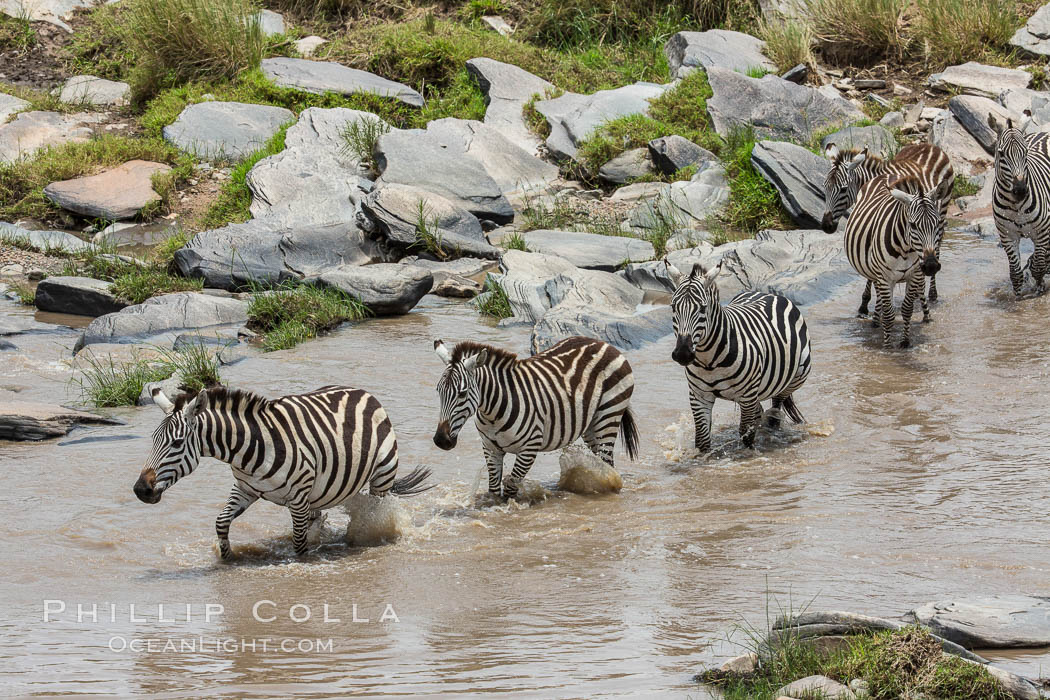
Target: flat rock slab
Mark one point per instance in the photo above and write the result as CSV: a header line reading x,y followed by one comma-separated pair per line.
x,y
31,131
978,79
387,289
9,104
225,130
966,153
798,176
320,77
590,251
1034,36
684,204
507,88
26,420
56,12
87,89
119,193
83,296
43,241
715,48
877,139
775,107
627,167
995,622
973,111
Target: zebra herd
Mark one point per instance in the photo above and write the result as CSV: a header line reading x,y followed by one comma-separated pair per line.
x,y
313,451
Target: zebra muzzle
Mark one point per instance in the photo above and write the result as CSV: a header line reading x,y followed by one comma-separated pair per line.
x,y
828,224
930,265
443,439
683,351
145,489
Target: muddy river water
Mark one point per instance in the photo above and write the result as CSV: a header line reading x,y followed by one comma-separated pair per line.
x,y
920,475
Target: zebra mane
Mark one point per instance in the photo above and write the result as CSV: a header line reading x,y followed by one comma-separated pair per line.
x,y
469,347
907,183
847,154
218,392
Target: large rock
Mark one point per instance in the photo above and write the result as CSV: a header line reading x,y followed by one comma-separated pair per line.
x,y
995,622
1034,36
114,194
626,167
590,251
167,314
684,204
9,105
670,154
387,289
26,420
797,174
966,153
43,241
816,686
322,76
716,48
314,180
261,252
978,79
1021,99
90,90
877,139
775,107
31,131
392,213
84,296
225,130
56,12
507,88
573,118
972,112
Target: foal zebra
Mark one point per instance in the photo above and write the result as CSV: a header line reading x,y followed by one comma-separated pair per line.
x,y
1021,201
851,169
755,348
892,236
579,388
308,452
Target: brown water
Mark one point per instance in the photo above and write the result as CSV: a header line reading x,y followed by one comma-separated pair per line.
x,y
920,475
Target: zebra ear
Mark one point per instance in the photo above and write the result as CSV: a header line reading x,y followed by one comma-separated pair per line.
x,y
902,196
475,360
831,151
195,407
673,272
858,159
709,276
161,400
442,351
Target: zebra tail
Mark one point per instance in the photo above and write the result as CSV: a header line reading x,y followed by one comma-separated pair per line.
x,y
792,410
412,483
629,433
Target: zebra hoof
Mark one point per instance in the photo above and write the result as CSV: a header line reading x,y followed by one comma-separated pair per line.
x,y
927,318
905,344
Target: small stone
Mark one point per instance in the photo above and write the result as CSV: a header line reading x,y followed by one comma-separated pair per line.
x,y
745,663
977,79
87,89
820,686
9,104
626,167
673,153
715,48
271,23
498,24
307,46
225,130
864,84
892,120
798,74
901,90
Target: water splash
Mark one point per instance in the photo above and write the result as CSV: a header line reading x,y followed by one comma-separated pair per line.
x,y
375,520
584,473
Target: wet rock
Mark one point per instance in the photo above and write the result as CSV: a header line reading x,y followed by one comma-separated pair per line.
x,y
31,131
225,130
393,213
323,76
43,240
995,622
163,315
26,420
1034,36
84,296
775,107
684,204
626,167
716,48
87,89
453,278
9,104
590,251
798,176
977,79
507,88
745,663
670,154
271,23
259,252
877,139
620,329
584,473
1016,687
573,118
820,686
967,155
56,12
7,345
972,112
117,193
387,289
308,45
457,287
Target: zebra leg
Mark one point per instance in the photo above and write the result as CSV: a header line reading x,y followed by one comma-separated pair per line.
x,y
302,516
884,309
494,462
926,318
915,288
701,404
750,417
1013,257
602,445
932,295
865,299
775,415
1039,265
522,465
236,504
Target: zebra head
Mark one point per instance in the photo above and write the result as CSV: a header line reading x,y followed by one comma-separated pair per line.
x,y
176,446
694,297
840,185
1011,155
922,213
458,391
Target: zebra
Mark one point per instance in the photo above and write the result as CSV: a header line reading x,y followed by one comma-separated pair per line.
x,y
307,452
852,168
1021,200
753,349
891,237
581,387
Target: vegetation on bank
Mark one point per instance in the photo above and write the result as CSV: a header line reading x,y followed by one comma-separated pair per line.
x,y
493,301
131,281
292,313
16,34
106,383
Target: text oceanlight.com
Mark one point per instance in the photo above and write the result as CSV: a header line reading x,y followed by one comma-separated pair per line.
x,y
220,645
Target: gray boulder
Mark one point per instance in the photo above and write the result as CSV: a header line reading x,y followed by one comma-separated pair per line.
x,y
1034,36
967,154
670,154
623,331
652,276
716,48
507,88
877,139
454,278
972,112
31,131
43,241
114,194
27,420
798,175
978,79
84,296
9,105
590,251
322,76
225,130
684,204
387,289
87,89
816,686
163,315
271,23
994,622
629,165
775,107
1020,99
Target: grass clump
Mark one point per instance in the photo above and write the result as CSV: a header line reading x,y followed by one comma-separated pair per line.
x,y
106,383
233,205
964,187
293,313
360,137
164,253
859,31
493,301
789,42
955,31
536,122
16,34
515,241
24,294
753,202
140,283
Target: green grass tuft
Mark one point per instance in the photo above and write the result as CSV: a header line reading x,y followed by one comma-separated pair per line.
x,y
139,284
293,313
789,42
105,383
360,137
16,34
515,241
26,295
964,187
493,301
753,202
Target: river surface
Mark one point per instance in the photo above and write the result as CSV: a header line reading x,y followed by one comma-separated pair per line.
x,y
920,475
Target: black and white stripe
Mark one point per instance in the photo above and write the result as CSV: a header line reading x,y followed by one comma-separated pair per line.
x,y
1021,200
753,349
308,452
892,236
580,388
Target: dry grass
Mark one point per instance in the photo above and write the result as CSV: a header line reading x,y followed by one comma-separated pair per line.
x,y
789,42
858,31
